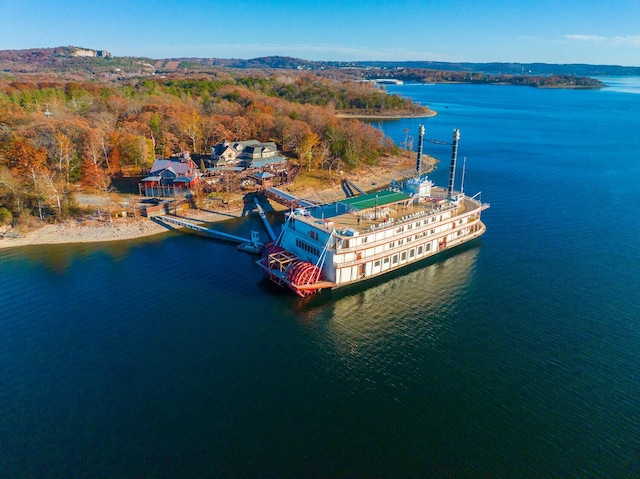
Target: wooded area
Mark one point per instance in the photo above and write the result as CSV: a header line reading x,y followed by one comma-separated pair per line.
x,y
56,135
540,81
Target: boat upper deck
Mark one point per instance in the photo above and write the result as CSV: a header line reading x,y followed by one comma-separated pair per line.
x,y
382,210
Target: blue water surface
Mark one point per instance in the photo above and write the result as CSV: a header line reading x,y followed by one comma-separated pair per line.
x,y
515,356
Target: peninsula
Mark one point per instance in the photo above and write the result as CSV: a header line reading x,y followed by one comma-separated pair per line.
x,y
79,122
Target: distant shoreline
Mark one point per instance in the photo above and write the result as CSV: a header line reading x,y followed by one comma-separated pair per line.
x,y
382,116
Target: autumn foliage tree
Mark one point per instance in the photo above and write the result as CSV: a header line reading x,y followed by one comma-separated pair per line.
x,y
29,163
58,134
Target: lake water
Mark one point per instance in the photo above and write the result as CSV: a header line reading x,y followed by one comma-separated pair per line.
x,y
515,356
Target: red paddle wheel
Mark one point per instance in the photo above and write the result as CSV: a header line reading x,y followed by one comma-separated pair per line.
x,y
301,274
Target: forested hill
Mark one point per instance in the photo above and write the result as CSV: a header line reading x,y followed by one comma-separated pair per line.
x,y
68,60
575,69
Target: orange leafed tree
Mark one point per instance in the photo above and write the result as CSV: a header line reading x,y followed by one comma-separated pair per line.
x,y
29,163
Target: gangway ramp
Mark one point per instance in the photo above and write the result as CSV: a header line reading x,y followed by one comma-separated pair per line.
x,y
288,199
352,186
263,216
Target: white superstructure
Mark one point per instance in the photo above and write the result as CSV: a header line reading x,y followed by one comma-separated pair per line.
x,y
358,238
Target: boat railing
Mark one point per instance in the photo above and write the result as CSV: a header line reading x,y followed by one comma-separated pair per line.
x,y
474,213
412,217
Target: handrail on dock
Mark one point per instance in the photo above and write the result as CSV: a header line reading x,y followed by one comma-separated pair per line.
x,y
206,231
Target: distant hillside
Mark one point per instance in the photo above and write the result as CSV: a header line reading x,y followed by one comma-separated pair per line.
x,y
50,56
263,63
576,69
289,63
100,62
74,60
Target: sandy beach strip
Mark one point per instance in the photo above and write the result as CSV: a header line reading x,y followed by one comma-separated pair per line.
x,y
118,229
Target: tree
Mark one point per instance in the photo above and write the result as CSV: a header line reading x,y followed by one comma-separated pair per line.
x,y
335,140
6,220
11,189
29,163
52,188
148,153
215,130
280,130
241,128
63,153
306,146
95,146
93,175
297,131
190,125
97,127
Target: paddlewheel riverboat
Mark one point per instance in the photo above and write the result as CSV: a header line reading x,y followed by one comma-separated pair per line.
x,y
357,238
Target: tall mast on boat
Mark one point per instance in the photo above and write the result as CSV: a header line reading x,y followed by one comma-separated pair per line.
x,y
454,156
419,159
464,167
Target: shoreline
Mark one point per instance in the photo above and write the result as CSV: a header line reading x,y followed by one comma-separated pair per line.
x,y
358,116
119,229
124,229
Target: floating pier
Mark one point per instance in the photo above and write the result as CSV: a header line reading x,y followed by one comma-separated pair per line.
x,y
251,245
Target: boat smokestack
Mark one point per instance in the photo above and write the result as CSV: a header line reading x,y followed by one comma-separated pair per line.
x,y
454,156
419,159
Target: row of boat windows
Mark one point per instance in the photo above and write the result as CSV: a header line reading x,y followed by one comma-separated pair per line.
x,y
422,223
403,256
417,236
409,239
425,221
307,247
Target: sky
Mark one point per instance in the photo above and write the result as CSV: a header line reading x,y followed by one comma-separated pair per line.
x,y
547,31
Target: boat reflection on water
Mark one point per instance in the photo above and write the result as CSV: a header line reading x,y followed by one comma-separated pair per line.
x,y
393,306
